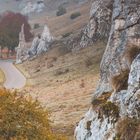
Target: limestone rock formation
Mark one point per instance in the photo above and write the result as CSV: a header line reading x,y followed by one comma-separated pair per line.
x,y
33,7
120,50
46,39
41,43
119,75
33,50
21,47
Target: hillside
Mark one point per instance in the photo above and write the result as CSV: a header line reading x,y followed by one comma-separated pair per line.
x,y
50,5
64,83
63,24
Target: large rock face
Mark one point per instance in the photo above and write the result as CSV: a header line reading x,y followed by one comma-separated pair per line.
x,y
36,7
40,44
122,45
120,75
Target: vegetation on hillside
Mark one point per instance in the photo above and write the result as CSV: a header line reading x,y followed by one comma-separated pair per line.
x,y
61,11
2,77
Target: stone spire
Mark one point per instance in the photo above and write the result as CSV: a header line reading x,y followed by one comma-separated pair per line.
x,y
46,39
21,46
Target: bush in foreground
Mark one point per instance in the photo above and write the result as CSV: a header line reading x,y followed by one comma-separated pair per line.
x,y
23,119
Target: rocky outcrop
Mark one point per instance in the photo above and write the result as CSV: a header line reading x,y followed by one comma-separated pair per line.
x,y
119,76
21,49
41,43
46,39
33,50
36,7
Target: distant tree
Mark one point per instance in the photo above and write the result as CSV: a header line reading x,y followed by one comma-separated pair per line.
x,y
10,26
23,119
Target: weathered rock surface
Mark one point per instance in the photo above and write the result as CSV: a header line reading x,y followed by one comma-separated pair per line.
x,y
99,23
120,51
41,44
36,7
120,73
46,39
33,50
21,49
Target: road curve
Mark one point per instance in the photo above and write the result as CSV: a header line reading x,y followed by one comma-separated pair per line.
x,y
14,79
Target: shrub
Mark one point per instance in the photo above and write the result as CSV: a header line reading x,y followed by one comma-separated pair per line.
x,y
66,35
75,15
61,11
36,25
22,118
61,72
110,109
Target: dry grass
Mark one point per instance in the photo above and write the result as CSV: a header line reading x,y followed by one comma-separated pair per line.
x,y
29,81
67,95
2,77
63,24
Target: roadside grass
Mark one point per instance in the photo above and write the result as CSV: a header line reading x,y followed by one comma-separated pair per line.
x,y
29,81
2,77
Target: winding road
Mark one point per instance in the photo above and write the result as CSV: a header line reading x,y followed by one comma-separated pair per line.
x,y
14,79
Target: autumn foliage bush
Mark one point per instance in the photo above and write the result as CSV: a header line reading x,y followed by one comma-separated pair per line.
x,y
23,119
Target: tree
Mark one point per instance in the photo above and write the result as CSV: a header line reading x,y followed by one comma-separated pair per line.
x,y
10,26
23,119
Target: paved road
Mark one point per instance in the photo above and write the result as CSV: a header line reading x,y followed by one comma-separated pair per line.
x,y
14,78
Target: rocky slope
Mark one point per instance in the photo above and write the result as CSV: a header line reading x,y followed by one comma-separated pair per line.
x,y
117,96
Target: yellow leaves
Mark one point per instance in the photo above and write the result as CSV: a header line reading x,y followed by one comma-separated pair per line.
x,y
22,118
